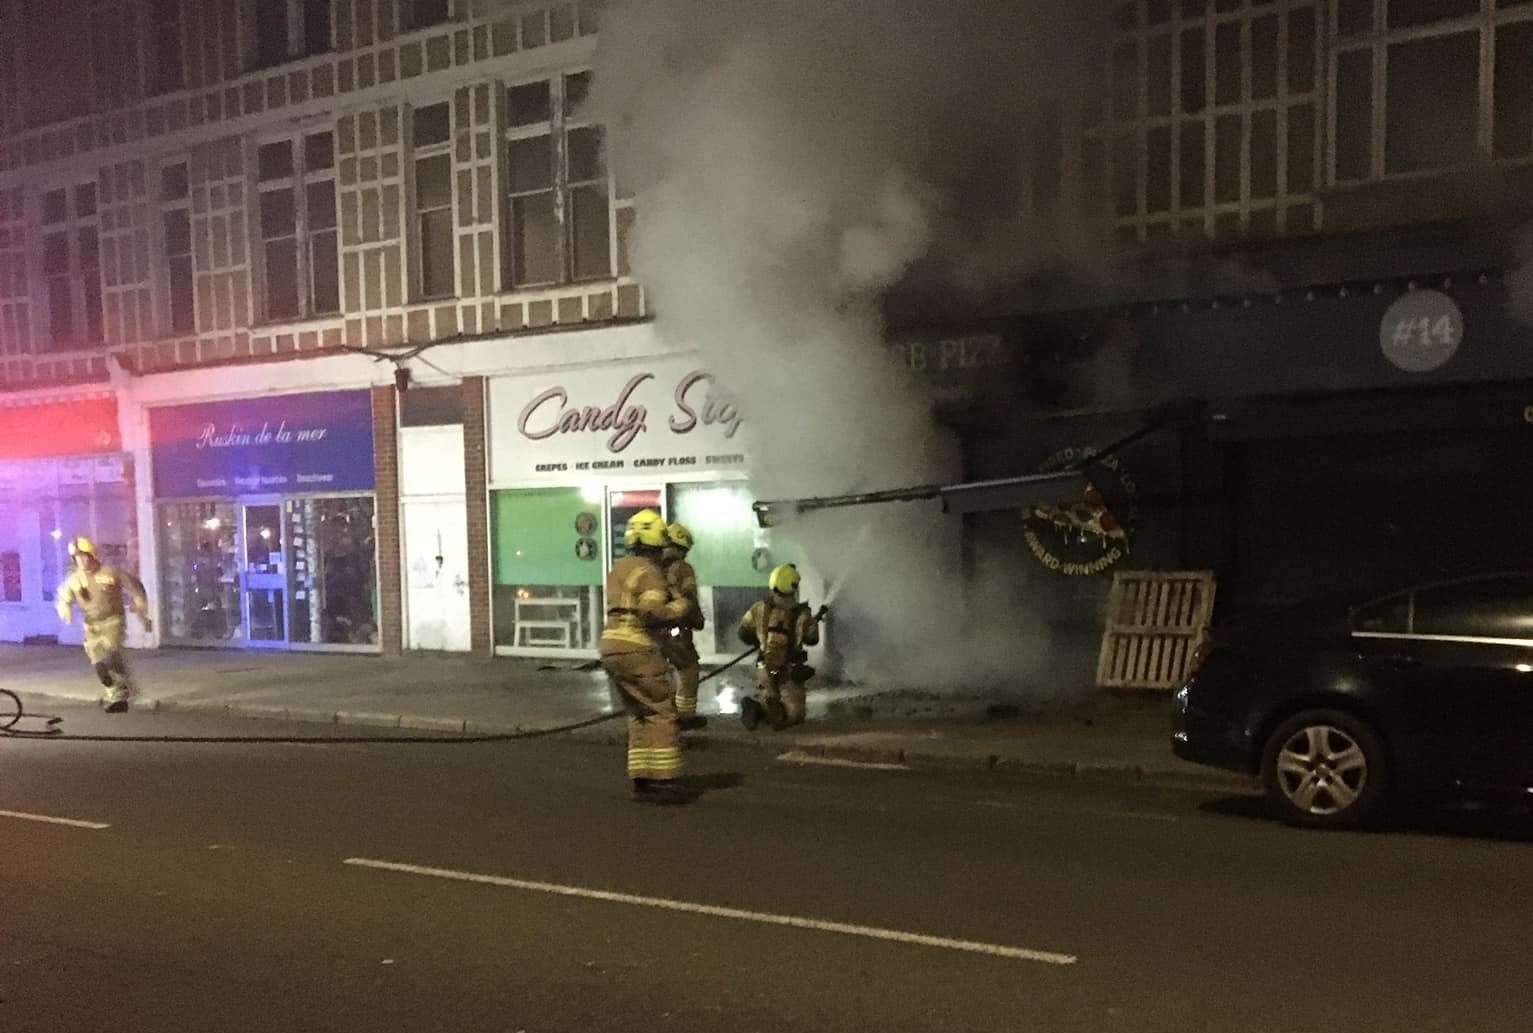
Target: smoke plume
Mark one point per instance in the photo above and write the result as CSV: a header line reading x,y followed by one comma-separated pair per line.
x,y
791,161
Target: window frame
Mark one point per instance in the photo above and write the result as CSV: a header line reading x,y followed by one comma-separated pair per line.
x,y
166,206
157,66
558,127
1110,128
297,183
412,22
296,33
1376,43
433,151
86,307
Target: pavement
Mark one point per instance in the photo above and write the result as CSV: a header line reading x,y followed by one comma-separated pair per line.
x,y
1085,734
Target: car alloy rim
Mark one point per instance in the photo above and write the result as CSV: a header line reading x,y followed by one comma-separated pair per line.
x,y
1322,770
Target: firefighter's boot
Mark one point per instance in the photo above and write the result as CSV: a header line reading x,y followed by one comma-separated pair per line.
x,y
751,712
776,714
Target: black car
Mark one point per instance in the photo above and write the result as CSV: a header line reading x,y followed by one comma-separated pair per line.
x,y
1340,705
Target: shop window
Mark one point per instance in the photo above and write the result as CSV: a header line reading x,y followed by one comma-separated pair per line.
x,y
51,546
10,576
548,568
720,518
332,577
199,572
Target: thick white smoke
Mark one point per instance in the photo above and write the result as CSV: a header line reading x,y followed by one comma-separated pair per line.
x,y
791,161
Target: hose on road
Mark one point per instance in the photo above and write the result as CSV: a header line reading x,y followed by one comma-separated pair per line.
x,y
11,713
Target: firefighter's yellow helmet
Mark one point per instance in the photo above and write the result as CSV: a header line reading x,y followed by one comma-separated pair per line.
x,y
646,527
679,536
82,546
784,579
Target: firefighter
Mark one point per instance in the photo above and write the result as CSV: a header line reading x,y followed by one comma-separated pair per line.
x,y
104,594
780,626
640,613
678,646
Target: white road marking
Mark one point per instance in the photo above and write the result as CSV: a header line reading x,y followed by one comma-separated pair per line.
x,y
799,757
761,917
1089,812
71,822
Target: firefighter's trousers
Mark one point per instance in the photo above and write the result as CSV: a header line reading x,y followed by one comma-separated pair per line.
x,y
681,653
103,648
781,687
643,683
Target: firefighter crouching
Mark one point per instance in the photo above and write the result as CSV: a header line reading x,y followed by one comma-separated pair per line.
x,y
781,627
677,645
640,613
103,593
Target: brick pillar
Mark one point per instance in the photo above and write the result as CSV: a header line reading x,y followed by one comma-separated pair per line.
x,y
386,510
477,494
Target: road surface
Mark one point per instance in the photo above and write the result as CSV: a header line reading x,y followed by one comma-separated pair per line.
x,y
515,888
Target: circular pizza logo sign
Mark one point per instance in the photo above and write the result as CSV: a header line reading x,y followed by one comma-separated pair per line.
x,y
1089,534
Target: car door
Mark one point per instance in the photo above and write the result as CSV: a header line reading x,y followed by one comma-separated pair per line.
x,y
1473,644
1422,730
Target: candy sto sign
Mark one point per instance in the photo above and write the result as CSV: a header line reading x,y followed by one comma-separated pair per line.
x,y
657,418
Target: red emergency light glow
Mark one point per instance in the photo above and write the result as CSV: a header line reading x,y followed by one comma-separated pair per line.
x,y
81,427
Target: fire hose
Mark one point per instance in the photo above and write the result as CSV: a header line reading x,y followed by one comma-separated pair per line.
x,y
12,713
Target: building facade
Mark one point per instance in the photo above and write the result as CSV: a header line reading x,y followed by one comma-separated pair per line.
x,y
229,237
321,313
1320,233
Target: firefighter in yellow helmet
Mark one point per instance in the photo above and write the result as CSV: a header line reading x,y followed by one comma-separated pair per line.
x,y
640,613
104,594
678,646
781,627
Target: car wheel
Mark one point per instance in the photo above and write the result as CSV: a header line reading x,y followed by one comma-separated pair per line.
x,y
1325,769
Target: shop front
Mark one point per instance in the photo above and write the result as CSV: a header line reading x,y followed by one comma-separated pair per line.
x,y
62,474
265,522
574,454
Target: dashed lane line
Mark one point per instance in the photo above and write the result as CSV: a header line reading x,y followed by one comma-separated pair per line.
x,y
713,911
50,820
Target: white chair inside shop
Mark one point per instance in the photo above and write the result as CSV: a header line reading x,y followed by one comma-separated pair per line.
x,y
547,621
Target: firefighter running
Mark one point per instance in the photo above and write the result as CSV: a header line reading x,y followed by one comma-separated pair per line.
x,y
677,645
640,613
104,594
780,626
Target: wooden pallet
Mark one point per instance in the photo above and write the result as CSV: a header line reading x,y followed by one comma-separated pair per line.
x,y
1155,620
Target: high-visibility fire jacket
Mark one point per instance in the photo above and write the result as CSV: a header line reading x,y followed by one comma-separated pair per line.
x,y
782,626
103,594
682,580
640,607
